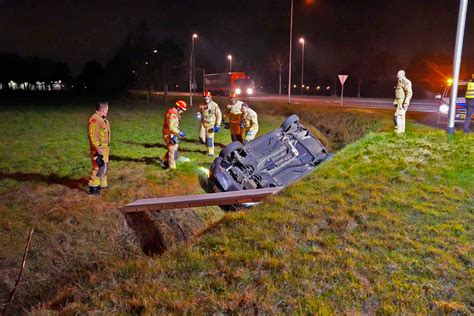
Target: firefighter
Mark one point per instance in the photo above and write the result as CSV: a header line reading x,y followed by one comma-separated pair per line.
x,y
249,123
98,132
211,118
403,94
469,104
171,132
234,113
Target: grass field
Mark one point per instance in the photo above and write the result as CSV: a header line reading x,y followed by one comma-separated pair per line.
x,y
385,226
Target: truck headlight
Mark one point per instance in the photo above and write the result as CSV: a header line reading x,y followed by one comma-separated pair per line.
x,y
444,108
238,91
249,91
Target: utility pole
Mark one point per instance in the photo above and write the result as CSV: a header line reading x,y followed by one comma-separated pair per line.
x,y
289,61
457,63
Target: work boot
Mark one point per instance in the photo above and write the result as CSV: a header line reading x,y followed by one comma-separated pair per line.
x,y
94,191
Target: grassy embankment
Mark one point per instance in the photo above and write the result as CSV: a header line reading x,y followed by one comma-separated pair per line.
x,y
384,226
44,165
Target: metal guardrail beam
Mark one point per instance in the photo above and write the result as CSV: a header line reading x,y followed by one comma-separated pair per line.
x,y
186,201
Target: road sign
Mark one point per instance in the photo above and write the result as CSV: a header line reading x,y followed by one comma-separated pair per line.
x,y
342,79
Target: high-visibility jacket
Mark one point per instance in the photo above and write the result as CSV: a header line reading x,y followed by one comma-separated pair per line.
x,y
250,124
235,116
470,90
98,131
211,114
403,92
171,122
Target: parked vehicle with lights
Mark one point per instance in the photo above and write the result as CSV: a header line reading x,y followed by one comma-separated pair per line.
x,y
224,83
443,110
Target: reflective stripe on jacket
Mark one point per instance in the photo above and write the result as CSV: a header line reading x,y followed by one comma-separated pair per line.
x,y
250,122
98,131
403,92
470,90
211,114
171,122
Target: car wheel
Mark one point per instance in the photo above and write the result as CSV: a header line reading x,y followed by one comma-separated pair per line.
x,y
230,148
292,119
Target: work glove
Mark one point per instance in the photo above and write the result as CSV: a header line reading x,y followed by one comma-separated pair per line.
x,y
100,160
174,140
217,129
198,116
249,133
181,134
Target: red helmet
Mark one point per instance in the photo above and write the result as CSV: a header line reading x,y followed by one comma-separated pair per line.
x,y
232,95
180,104
207,94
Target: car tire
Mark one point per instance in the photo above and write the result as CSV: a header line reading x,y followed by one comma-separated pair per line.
x,y
230,148
292,119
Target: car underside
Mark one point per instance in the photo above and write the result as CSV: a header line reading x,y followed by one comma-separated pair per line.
x,y
275,159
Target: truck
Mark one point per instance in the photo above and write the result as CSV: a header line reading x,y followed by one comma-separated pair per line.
x,y
224,83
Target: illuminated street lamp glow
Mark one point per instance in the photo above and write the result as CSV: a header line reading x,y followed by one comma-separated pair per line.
x,y
155,51
191,70
302,63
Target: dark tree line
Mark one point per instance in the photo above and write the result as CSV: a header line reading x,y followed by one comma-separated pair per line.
x,y
141,62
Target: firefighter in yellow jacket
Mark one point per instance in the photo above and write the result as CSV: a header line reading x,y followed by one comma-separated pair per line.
x,y
234,114
249,123
171,132
403,94
98,131
211,118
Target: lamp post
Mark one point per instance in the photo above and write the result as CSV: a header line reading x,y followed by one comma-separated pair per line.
x,y
191,70
203,77
302,64
457,63
229,57
289,59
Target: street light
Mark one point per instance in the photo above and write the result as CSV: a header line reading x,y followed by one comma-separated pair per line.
x,y
203,76
289,59
302,63
457,63
155,51
191,70
229,57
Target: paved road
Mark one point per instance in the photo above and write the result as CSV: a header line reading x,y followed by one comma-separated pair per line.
x,y
429,106
416,105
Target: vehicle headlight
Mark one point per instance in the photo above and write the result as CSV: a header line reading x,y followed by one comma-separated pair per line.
x,y
249,91
444,108
238,91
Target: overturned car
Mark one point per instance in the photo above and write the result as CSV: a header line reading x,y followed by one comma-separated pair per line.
x,y
275,159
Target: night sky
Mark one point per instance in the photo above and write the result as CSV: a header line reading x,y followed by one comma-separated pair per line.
x,y
337,32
